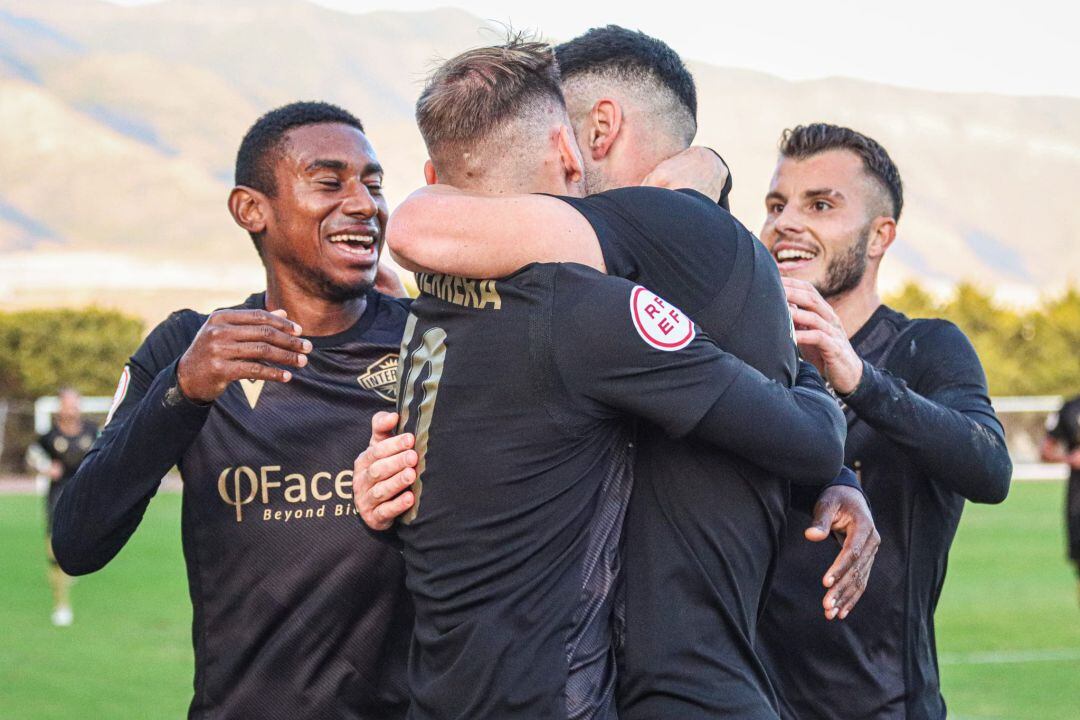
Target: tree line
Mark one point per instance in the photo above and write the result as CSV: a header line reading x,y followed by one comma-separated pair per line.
x,y
1034,351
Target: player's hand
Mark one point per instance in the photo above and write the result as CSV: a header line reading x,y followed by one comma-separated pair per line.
x,y
696,167
383,474
844,511
1073,459
237,345
56,470
389,283
821,338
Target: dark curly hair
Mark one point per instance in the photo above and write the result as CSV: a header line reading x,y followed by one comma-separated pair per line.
x,y
808,140
262,142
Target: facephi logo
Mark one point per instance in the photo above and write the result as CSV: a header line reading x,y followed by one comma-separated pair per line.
x,y
382,377
272,489
661,325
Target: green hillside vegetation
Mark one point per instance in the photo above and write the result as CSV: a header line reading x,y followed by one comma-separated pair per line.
x,y
1032,352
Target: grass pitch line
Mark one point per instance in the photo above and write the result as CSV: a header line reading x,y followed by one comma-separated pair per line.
x,y
1010,656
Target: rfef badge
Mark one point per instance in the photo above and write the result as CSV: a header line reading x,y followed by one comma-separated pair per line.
x,y
660,324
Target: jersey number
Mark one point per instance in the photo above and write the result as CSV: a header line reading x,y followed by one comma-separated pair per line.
x,y
416,398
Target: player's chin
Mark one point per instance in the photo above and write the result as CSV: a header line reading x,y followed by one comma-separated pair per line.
x,y
342,286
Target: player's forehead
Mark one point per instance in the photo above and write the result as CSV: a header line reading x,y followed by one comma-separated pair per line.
x,y
840,170
308,147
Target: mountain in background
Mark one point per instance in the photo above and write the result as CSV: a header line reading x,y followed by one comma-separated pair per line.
x,y
119,127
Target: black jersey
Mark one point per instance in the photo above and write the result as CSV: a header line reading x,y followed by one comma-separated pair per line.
x,y
923,437
1064,426
703,528
518,391
298,613
69,450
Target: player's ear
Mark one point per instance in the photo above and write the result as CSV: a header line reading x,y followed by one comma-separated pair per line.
x,y
604,124
430,177
570,155
882,234
249,208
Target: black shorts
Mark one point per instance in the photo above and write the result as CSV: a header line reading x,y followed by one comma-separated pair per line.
x,y
50,505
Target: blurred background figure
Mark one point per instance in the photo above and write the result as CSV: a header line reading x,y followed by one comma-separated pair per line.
x,y
1062,445
56,455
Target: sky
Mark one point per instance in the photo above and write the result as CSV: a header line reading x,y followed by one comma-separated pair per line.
x,y
1027,48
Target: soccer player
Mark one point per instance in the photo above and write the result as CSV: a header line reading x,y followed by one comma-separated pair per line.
x,y
57,455
512,548
921,435
298,613
1062,445
703,527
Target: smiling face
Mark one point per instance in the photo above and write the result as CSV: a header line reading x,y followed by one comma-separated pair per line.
x,y
821,213
326,218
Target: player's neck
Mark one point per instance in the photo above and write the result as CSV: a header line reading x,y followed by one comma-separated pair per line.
x,y
857,305
317,316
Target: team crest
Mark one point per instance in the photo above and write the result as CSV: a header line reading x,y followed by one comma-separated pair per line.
x,y
382,377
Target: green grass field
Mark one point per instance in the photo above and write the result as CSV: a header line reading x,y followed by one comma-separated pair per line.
x,y
1008,625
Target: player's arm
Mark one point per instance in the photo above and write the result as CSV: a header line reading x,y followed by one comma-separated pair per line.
x,y
1055,446
439,228
948,426
607,355
442,229
1052,450
166,393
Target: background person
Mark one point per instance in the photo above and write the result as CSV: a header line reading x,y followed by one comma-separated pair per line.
x,y
1062,445
57,455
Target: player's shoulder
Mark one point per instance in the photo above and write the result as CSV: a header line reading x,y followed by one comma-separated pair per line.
x,y
641,199
391,315
941,336
169,339
609,310
393,307
581,279
934,349
179,328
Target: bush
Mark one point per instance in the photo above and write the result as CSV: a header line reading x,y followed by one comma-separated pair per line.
x,y
1031,352
43,350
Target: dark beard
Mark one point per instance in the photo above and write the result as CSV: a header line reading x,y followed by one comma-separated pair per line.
x,y
846,271
321,286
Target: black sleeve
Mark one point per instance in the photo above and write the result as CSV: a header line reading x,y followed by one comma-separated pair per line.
x,y
805,497
678,242
147,432
725,192
948,426
619,348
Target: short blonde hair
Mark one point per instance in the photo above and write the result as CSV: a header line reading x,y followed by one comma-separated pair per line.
x,y
473,94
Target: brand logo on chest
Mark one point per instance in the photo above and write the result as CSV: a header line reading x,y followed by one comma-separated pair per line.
x,y
382,377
